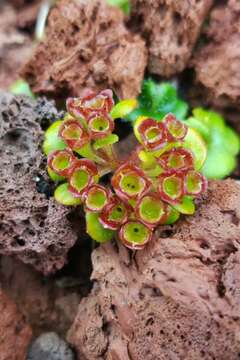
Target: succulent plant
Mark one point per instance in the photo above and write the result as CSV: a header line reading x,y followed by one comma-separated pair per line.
x,y
153,187
222,142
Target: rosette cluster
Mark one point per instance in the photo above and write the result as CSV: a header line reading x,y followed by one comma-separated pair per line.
x,y
156,184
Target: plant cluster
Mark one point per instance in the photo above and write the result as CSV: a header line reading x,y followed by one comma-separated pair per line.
x,y
222,142
158,182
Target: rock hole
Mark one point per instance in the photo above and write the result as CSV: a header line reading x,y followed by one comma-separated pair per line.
x,y
204,245
149,322
149,334
19,241
221,289
51,248
162,9
177,18
166,233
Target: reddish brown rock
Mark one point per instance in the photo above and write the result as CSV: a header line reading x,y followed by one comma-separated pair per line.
x,y
15,47
32,227
44,302
87,45
177,299
15,334
171,28
217,62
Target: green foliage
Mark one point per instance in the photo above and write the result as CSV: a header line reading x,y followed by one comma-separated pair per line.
x,y
21,87
223,143
124,5
186,207
123,108
96,230
157,100
65,197
52,141
108,140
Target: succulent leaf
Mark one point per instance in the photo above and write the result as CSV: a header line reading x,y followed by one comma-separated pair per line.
x,y
186,206
96,230
123,108
82,176
91,103
61,162
52,141
151,210
100,125
96,198
65,197
171,187
73,134
135,235
114,214
108,140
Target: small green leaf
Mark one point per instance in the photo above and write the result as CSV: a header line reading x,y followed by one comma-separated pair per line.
x,y
195,143
65,197
186,207
52,141
200,126
55,177
96,230
219,163
21,87
108,140
123,108
86,152
231,141
223,143
124,5
157,100
173,216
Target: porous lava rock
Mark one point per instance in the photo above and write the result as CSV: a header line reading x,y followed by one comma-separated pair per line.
x,y
15,333
50,346
171,28
33,227
86,46
217,60
176,299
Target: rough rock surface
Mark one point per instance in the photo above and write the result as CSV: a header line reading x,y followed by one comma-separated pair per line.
x,y
176,299
171,28
15,334
46,305
32,227
217,61
15,47
87,45
50,346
